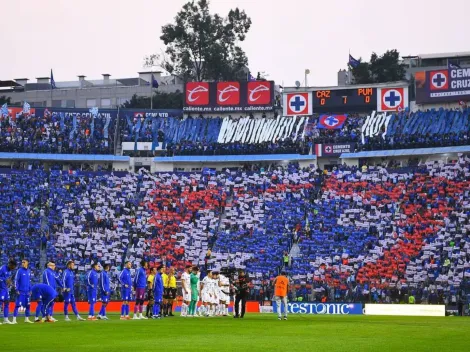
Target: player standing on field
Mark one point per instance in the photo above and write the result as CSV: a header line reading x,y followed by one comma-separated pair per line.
x,y
105,291
45,296
205,294
241,293
23,291
68,282
126,290
194,281
186,286
158,293
281,287
224,285
92,289
5,281
140,284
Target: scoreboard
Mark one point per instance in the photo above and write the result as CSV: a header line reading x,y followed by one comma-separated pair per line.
x,y
342,100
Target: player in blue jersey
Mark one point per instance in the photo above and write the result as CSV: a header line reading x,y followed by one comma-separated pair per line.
x,y
140,283
105,291
23,291
5,281
51,278
68,283
158,293
92,289
126,290
45,296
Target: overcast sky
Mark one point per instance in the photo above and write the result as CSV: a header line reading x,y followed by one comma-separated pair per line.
x,y
92,37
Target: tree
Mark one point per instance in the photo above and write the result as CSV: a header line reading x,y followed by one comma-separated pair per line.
x,y
380,69
4,99
201,46
160,101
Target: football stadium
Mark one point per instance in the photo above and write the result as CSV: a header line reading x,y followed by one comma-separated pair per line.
x,y
200,206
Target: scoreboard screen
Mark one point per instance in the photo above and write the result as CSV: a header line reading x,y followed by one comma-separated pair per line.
x,y
343,100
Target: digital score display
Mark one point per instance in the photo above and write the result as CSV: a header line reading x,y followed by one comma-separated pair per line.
x,y
344,100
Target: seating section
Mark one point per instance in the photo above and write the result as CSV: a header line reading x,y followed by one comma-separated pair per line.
x,y
57,133
354,235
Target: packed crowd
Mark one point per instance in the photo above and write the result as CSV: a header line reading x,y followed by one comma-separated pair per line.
x,y
57,134
354,234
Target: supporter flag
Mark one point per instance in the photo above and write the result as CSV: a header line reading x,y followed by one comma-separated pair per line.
x,y
26,108
353,62
332,122
453,65
154,82
251,78
4,111
53,86
94,112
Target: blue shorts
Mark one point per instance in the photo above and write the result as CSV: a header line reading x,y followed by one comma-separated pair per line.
x,y
91,294
4,295
69,297
126,294
23,300
105,298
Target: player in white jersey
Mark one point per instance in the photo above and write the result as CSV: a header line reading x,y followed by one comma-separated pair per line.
x,y
215,293
186,285
224,285
206,297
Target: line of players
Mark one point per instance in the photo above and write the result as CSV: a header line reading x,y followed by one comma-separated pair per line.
x,y
213,291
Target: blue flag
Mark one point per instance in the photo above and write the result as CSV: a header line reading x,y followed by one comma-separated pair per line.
x,y
4,110
353,62
250,77
452,65
53,86
154,82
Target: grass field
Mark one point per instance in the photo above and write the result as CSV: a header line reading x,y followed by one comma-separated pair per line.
x,y
257,332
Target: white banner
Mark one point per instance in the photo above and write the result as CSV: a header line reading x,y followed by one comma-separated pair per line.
x,y
418,310
248,130
374,125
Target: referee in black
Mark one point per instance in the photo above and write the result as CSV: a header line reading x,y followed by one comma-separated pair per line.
x,y
241,294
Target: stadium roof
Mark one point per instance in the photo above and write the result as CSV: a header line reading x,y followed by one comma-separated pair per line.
x,y
233,158
406,152
354,86
443,55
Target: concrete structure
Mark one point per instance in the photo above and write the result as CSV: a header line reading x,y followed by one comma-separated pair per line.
x,y
83,93
427,62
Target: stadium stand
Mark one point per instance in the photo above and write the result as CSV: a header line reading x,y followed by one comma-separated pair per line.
x,y
54,133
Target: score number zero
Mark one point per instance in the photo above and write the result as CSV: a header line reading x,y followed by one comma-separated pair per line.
x,y
323,95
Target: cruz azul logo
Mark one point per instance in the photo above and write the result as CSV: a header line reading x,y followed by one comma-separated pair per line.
x,y
197,93
259,93
228,93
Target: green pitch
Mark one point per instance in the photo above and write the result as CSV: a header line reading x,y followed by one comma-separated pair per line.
x,y
260,332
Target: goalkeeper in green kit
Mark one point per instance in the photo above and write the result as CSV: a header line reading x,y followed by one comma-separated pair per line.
x,y
194,280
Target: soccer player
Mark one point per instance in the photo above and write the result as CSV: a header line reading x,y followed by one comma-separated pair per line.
x,y
126,290
224,285
23,291
215,293
194,281
158,293
186,285
5,281
105,291
206,297
68,282
52,279
281,287
140,283
171,292
150,295
45,296
92,289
